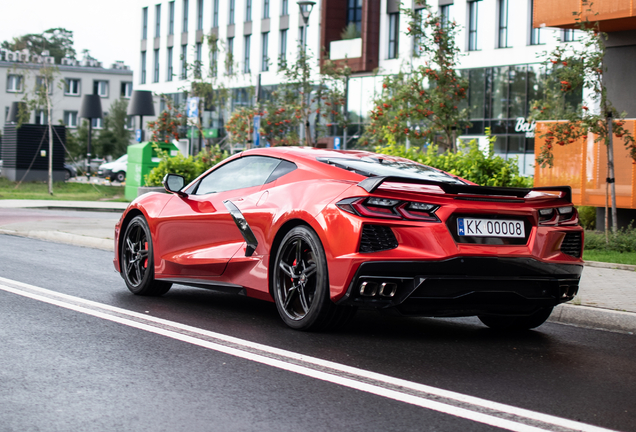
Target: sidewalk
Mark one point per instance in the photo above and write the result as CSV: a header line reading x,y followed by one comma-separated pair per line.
x,y
606,300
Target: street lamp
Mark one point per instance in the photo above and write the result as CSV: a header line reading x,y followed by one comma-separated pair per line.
x,y
91,109
141,104
305,10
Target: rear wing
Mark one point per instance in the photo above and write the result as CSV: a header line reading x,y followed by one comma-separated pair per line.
x,y
370,184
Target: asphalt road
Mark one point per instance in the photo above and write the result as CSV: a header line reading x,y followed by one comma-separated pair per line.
x,y
63,368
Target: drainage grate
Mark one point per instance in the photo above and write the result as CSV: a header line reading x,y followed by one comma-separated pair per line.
x,y
377,238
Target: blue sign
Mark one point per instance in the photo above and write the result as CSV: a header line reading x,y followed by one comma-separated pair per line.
x,y
257,135
138,135
192,108
336,143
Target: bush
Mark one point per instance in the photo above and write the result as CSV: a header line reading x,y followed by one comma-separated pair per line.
x,y
189,167
469,163
623,240
587,217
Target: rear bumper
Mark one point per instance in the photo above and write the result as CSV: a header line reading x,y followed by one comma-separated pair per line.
x,y
463,286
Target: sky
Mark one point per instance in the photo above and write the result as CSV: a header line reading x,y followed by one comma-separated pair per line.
x,y
108,28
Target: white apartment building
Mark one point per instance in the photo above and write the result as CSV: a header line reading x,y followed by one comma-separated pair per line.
x,y
501,53
20,74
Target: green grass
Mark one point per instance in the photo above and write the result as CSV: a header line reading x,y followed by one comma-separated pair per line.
x,y
610,256
61,191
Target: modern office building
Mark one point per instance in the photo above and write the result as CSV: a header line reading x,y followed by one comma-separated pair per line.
x,y
501,53
20,74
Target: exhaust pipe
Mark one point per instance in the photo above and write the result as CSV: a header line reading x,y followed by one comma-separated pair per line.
x,y
368,289
387,289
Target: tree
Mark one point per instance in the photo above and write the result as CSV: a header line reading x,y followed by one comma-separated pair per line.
x,y
114,138
570,70
421,104
57,41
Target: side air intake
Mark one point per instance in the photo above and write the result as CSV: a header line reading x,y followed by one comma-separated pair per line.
x,y
377,238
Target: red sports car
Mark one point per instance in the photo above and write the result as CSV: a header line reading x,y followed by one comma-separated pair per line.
x,y
322,233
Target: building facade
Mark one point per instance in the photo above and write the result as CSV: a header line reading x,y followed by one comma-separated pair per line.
x,y
20,74
501,53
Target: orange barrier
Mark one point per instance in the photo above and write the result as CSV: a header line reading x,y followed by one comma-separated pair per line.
x,y
583,166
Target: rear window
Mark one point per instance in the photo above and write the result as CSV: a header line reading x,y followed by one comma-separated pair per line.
x,y
372,167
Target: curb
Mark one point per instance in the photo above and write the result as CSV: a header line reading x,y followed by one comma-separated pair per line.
x,y
612,266
594,318
66,238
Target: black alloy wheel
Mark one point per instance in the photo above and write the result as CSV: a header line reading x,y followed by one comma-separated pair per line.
x,y
137,263
301,284
516,323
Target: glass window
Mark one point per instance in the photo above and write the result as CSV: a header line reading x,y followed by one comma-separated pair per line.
x,y
518,81
394,32
214,60
230,56
247,40
100,88
98,123
198,63
231,17
369,167
536,73
477,93
155,77
282,55
265,8
473,15
500,92
40,85
354,14
536,34
14,83
503,23
240,173
169,71
199,14
142,75
284,7
70,118
157,20
184,28
445,12
171,18
72,87
517,143
40,117
264,56
144,23
248,10
126,89
215,13
184,61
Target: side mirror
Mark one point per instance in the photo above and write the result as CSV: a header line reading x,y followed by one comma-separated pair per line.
x,y
173,183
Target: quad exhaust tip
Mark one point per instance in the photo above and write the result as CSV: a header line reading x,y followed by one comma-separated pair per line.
x,y
373,289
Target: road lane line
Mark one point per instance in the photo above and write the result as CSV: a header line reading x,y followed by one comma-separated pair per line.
x,y
448,402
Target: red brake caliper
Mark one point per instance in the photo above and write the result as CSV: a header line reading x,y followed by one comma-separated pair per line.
x,y
146,260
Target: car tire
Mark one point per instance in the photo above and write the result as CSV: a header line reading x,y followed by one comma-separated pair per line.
x,y
137,261
120,177
67,175
516,323
300,284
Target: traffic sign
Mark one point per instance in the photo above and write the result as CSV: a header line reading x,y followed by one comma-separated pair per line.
x,y
193,107
257,135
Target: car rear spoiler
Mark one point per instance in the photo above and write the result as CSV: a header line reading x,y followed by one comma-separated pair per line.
x,y
370,184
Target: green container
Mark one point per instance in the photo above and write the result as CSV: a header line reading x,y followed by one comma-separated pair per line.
x,y
141,159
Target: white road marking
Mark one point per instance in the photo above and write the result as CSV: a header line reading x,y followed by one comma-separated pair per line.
x,y
448,402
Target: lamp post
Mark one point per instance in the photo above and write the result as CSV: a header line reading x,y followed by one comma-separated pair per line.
x,y
305,10
91,109
141,104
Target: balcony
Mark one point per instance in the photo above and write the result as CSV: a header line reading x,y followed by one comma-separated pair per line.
x,y
612,15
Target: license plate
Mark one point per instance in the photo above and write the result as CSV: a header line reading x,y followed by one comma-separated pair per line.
x,y
490,228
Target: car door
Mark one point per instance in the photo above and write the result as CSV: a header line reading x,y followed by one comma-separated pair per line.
x,y
196,235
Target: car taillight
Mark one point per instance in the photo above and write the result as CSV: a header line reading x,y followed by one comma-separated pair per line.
x,y
566,215
386,208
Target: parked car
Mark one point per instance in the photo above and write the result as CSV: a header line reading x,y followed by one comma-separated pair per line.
x,y
322,233
114,171
69,171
